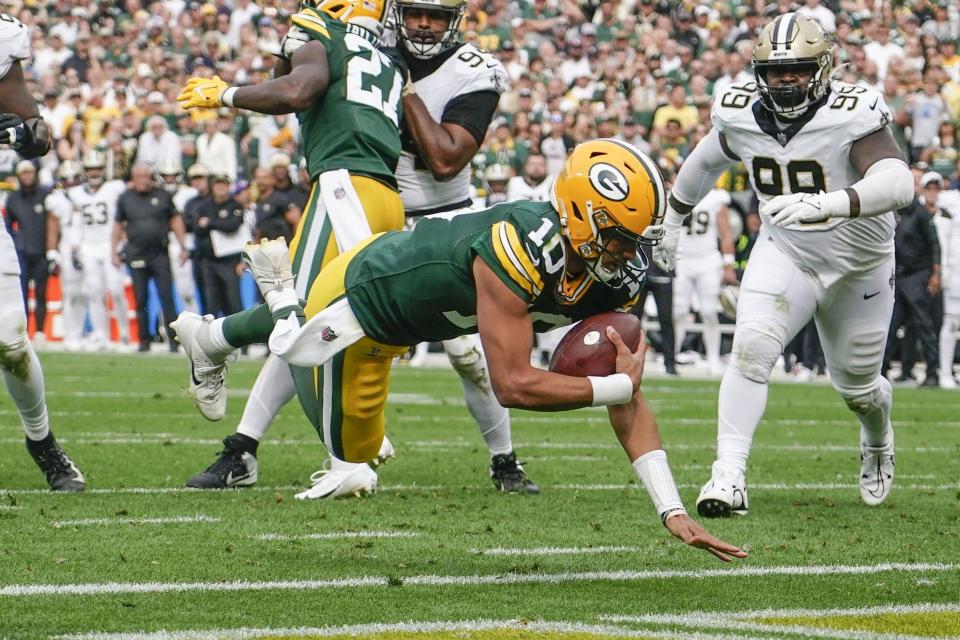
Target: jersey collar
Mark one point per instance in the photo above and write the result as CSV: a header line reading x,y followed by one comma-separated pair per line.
x,y
767,121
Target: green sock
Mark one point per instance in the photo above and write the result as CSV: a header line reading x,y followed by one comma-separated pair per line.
x,y
248,327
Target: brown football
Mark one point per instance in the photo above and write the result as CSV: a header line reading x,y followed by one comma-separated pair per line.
x,y
586,350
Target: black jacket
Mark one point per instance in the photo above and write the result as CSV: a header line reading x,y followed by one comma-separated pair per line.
x,y
917,246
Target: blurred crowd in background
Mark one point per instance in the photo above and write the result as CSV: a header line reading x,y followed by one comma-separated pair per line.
x,y
106,75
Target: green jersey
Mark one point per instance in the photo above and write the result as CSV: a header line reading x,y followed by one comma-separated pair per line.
x,y
408,287
355,125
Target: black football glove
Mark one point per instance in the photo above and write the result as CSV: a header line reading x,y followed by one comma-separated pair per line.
x,y
12,130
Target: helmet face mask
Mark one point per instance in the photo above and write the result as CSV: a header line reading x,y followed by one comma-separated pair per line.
x,y
425,43
793,43
610,197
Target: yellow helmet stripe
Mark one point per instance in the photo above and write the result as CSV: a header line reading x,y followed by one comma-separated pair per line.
x,y
507,258
659,195
310,21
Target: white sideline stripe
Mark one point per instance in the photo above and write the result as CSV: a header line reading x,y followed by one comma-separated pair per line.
x,y
396,627
853,447
339,535
86,589
552,551
403,488
772,486
8,507
111,521
742,621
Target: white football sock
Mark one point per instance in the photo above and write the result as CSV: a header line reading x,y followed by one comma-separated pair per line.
x,y
740,408
213,342
948,343
121,312
875,423
100,316
711,338
74,316
24,381
493,420
273,388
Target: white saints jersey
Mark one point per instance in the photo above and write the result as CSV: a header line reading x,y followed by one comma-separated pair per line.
x,y
14,42
810,155
467,71
700,237
518,189
97,210
14,46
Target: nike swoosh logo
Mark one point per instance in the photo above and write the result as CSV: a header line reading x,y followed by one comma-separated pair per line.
x,y
492,64
868,296
876,101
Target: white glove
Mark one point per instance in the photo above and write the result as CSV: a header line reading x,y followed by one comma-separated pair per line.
x,y
806,208
665,253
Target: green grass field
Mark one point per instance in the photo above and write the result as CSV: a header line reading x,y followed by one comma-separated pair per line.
x,y
437,553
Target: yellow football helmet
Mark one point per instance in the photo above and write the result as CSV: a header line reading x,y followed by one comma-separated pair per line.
x,y
609,187
793,40
369,14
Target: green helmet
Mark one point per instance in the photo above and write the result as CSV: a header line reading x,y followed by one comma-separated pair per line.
x,y
425,44
793,41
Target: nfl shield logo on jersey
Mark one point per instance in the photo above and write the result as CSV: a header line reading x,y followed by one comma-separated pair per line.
x,y
340,193
328,334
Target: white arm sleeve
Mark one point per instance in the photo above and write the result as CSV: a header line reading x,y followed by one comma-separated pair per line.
x,y
701,169
886,186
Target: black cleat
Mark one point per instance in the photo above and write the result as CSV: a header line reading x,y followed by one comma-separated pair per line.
x,y
508,475
236,466
62,474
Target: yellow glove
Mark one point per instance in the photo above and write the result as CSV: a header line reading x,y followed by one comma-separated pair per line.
x,y
203,93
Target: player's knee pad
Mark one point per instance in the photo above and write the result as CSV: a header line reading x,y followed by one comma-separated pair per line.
x,y
464,354
13,335
865,400
756,348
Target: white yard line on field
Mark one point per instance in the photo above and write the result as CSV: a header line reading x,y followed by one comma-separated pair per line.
x,y
404,488
338,535
552,551
386,628
87,522
747,620
88,589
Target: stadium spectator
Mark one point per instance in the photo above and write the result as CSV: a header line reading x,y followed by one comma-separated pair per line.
x,y
145,216
917,278
219,242
34,234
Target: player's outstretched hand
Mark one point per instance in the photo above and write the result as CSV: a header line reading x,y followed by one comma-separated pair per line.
x,y
796,208
629,363
688,530
202,93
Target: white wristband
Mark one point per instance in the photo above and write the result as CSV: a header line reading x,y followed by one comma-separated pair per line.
x,y
227,96
728,260
654,472
612,389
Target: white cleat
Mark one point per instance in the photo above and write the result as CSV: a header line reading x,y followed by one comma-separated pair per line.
x,y
386,452
725,494
876,472
269,261
947,381
207,385
348,480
